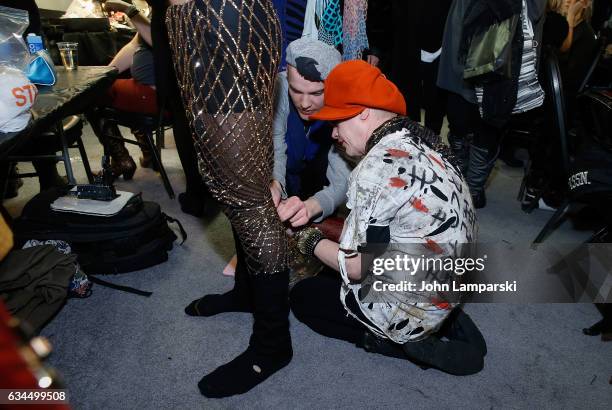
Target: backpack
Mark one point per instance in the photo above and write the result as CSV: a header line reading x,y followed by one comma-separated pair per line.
x,y
136,238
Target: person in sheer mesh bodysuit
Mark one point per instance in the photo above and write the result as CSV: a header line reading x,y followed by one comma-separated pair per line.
x,y
226,55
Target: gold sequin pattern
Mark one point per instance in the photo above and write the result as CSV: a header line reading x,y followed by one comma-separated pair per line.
x,y
226,55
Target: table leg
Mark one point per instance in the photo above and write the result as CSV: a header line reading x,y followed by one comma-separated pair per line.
x,y
66,153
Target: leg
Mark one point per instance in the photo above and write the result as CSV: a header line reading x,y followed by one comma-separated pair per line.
x,y
108,133
229,107
316,303
193,199
461,116
236,300
483,154
434,98
462,354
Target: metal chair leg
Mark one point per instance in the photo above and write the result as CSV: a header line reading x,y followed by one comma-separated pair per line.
x,y
552,222
159,138
65,154
86,165
162,170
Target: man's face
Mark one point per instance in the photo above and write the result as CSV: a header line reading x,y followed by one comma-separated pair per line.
x,y
352,134
307,96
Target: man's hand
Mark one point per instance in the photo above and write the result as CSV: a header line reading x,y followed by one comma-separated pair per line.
x,y
294,210
116,5
373,60
298,212
277,192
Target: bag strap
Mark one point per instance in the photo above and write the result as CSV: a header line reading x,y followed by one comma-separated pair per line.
x,y
176,221
111,285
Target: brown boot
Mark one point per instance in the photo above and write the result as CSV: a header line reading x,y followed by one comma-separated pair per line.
x,y
146,161
121,161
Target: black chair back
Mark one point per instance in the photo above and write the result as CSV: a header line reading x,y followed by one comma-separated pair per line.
x,y
550,79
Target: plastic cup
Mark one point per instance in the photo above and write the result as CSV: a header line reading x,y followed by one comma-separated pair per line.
x,y
70,54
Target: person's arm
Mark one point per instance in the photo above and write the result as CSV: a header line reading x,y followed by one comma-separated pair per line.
x,y
327,252
323,203
567,43
332,196
140,22
123,59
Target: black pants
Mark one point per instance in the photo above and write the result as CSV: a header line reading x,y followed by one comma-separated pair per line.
x,y
316,303
433,97
464,119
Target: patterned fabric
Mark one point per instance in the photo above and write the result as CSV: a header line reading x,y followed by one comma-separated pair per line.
x,y
330,22
530,94
355,37
80,285
226,55
405,185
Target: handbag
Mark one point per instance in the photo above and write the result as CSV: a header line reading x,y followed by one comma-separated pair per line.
x,y
490,52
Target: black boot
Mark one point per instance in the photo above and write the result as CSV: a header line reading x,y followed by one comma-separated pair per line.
x,y
236,300
121,161
480,167
374,344
146,161
461,148
270,345
239,299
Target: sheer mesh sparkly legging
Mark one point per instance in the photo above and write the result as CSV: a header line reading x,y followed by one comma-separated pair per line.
x,y
226,54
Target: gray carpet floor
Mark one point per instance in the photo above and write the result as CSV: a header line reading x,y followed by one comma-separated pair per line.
x,y
121,351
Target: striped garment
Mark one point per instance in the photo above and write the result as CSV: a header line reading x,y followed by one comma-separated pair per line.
x,y
530,94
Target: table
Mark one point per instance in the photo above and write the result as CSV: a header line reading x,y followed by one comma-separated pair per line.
x,y
73,92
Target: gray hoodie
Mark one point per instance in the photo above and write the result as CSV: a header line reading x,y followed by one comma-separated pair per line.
x,y
338,170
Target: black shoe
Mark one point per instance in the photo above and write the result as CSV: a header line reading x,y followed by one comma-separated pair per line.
x,y
192,204
374,344
479,200
239,299
531,199
270,345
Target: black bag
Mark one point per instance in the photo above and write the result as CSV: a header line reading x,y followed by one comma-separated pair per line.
x,y
136,238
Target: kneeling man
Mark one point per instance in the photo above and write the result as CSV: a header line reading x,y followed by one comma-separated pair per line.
x,y
406,190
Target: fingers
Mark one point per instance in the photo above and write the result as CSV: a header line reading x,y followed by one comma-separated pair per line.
x,y
373,60
288,208
276,195
300,219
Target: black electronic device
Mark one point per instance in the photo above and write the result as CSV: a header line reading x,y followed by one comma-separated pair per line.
x,y
102,189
